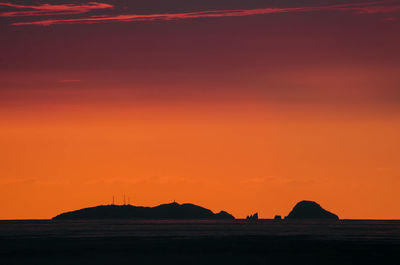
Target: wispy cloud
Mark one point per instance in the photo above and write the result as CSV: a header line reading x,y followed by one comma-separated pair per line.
x,y
279,180
391,19
51,10
371,7
70,81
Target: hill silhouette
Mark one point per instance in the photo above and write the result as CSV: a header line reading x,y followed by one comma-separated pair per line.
x,y
162,212
310,210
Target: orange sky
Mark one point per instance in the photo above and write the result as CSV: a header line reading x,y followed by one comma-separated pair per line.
x,y
241,106
240,158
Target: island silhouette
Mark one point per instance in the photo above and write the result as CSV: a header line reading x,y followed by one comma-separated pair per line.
x,y
170,211
310,210
187,211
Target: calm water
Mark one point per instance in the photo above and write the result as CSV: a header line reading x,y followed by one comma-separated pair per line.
x,y
199,242
343,230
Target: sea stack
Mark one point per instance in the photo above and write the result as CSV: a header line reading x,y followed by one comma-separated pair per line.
x,y
278,217
310,210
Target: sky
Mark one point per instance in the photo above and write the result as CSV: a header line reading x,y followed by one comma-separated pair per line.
x,y
244,106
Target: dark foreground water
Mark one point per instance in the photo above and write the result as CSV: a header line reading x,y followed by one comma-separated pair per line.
x,y
199,242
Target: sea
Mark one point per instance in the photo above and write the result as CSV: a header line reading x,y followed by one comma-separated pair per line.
x,y
199,242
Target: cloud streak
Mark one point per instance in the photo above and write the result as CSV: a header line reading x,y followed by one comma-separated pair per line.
x,y
373,7
70,81
51,10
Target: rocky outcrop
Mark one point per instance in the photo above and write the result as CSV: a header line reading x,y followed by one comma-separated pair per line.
x,y
310,210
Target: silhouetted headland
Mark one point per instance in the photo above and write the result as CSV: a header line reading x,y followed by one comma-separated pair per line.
x,y
171,211
310,210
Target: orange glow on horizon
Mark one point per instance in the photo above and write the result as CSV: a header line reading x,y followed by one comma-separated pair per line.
x,y
240,159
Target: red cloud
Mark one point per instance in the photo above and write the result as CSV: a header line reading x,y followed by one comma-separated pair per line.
x,y
70,81
361,8
49,10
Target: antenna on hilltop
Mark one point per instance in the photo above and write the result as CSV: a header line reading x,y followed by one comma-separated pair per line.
x,y
124,200
113,201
